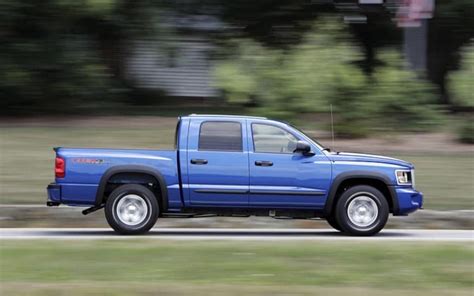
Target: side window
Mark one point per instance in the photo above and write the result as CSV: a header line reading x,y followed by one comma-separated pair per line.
x,y
272,139
220,136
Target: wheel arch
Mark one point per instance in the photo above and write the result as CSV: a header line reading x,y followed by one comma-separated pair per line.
x,y
132,174
352,178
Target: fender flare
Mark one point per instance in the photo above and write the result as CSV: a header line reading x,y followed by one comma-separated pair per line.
x,y
359,175
132,169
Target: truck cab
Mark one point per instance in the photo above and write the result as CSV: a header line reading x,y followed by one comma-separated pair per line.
x,y
252,162
235,165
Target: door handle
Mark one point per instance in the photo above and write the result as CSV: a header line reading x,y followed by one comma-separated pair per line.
x,y
198,161
263,163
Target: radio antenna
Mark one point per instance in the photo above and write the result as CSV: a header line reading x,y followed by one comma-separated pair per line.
x,y
332,129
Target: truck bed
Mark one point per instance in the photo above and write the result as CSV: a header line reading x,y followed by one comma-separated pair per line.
x,y
85,167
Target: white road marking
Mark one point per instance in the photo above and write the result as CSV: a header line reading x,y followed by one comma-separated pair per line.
x,y
238,234
24,206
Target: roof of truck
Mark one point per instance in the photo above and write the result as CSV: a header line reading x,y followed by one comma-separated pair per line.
x,y
223,115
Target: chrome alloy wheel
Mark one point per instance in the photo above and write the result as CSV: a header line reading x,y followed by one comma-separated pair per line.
x,y
362,210
132,209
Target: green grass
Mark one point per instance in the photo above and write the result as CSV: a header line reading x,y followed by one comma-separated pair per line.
x,y
283,266
446,180
26,161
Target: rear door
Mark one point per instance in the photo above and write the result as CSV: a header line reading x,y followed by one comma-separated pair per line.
x,y
218,163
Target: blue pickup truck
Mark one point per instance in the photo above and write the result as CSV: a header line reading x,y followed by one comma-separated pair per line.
x,y
235,166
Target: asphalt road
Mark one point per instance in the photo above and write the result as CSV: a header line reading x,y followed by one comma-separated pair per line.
x,y
237,234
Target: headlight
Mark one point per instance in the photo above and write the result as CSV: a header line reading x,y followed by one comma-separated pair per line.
x,y
405,177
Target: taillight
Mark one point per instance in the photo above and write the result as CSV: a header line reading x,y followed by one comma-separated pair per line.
x,y
60,167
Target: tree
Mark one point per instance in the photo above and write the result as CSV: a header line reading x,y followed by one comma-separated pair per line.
x,y
322,71
461,82
451,27
284,82
58,53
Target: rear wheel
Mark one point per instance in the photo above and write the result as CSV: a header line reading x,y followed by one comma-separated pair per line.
x,y
362,210
131,209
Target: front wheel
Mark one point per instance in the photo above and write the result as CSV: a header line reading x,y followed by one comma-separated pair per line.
x,y
334,224
131,209
362,210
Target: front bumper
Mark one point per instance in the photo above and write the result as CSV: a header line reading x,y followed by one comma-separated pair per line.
x,y
54,195
409,200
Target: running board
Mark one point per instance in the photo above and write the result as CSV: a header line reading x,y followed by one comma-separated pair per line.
x,y
92,209
186,215
294,218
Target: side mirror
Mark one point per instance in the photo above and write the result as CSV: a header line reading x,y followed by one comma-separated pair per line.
x,y
303,148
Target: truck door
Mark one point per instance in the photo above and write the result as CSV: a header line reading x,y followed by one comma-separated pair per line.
x,y
280,178
218,163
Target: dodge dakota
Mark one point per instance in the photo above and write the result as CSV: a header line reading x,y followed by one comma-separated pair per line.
x,y
235,166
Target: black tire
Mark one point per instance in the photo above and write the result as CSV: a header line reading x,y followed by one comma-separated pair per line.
x,y
369,197
139,197
332,221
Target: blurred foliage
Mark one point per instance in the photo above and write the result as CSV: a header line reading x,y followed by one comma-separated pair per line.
x,y
451,28
71,56
462,80
282,83
395,99
462,84
322,71
466,131
60,55
392,100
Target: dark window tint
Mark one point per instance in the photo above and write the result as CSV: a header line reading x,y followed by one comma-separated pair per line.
x,y
220,136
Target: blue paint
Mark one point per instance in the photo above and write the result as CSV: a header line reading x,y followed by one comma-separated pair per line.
x,y
230,178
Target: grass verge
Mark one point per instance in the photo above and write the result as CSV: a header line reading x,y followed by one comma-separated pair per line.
x,y
145,267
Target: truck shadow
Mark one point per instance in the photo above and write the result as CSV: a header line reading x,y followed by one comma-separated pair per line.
x,y
203,233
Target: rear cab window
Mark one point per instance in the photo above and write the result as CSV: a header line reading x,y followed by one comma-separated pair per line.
x,y
220,136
